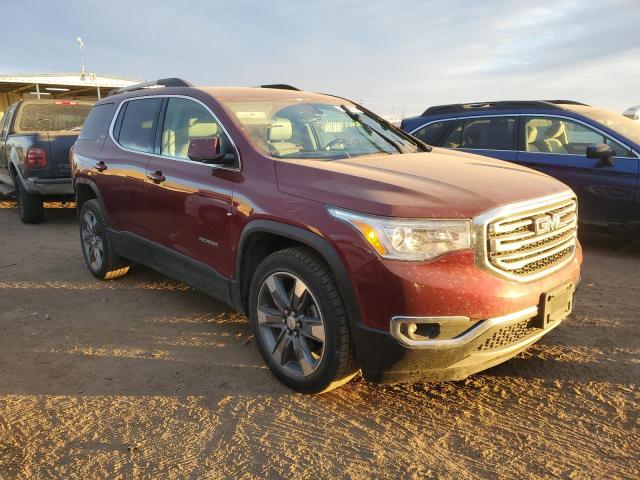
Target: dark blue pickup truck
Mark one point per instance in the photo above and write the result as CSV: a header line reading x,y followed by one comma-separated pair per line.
x,y
35,139
594,151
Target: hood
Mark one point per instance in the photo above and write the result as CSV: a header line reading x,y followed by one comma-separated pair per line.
x,y
440,184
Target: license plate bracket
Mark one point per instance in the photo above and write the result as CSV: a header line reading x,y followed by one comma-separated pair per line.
x,y
555,305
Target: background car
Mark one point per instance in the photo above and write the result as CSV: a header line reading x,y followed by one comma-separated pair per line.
x,y
592,150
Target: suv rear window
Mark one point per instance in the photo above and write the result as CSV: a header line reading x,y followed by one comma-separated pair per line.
x,y
97,121
51,117
138,125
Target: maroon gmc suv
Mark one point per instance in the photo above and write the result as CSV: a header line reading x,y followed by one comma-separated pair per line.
x,y
350,245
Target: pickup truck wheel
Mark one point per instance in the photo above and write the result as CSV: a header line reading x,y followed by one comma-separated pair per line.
x,y
29,204
103,262
300,322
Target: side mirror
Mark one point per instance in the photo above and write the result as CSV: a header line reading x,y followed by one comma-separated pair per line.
x,y
602,152
207,150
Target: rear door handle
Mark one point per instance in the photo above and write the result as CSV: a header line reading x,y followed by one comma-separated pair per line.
x,y
156,177
100,166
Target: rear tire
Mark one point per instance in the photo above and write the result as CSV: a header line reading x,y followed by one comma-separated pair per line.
x,y
29,204
103,262
300,323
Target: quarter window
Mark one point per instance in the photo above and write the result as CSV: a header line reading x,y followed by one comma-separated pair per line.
x,y
96,122
557,135
430,134
185,120
138,126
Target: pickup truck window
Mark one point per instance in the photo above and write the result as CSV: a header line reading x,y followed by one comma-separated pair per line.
x,y
139,122
51,117
97,122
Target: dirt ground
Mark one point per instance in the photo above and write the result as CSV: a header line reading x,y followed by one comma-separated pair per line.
x,y
145,378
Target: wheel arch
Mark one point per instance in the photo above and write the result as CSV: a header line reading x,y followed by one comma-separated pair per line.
x,y
260,238
86,189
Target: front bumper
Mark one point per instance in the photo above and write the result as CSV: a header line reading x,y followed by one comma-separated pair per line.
x,y
49,186
487,343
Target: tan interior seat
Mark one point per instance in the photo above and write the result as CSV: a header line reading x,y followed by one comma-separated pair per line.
x,y
556,137
532,136
280,133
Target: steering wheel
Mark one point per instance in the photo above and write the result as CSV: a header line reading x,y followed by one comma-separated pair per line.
x,y
336,141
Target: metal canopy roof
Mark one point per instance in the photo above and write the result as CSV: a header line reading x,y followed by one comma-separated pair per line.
x,y
75,83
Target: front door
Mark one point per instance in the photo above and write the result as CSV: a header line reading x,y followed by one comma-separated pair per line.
x,y
557,146
189,202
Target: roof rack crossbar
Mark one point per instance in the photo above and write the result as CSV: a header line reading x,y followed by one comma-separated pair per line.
x,y
499,105
162,82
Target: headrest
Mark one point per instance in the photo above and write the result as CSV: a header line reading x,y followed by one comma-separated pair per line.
x,y
205,129
532,133
280,130
555,129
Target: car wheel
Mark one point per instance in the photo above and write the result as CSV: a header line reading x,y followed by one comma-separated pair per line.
x,y
103,262
300,322
29,204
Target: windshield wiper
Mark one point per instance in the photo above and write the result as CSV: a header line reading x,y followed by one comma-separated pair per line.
x,y
356,118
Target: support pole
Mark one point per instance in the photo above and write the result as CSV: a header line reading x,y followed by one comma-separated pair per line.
x,y
98,88
38,91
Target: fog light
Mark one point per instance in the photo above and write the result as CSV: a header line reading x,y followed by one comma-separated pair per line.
x,y
411,330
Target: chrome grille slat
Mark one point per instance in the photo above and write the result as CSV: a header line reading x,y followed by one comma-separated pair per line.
x,y
527,241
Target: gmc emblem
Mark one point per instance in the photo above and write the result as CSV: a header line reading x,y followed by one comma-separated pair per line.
x,y
546,223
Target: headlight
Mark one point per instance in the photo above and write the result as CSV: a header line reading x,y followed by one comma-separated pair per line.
x,y
409,239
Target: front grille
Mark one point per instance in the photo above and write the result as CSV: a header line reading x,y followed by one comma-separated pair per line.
x,y
508,335
528,243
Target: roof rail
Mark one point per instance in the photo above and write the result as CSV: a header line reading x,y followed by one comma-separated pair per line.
x,y
163,82
499,105
281,86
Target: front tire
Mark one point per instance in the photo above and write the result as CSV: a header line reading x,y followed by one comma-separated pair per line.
x,y
30,205
300,322
103,262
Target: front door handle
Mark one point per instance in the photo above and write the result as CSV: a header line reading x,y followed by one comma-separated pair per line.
x,y
156,177
100,166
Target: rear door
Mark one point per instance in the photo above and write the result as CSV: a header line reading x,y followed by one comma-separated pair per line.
x,y
120,169
494,136
557,146
189,202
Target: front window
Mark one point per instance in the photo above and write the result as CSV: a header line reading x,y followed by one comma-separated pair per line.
x,y
299,128
557,135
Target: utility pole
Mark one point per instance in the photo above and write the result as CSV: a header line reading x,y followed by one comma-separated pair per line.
x,y
81,43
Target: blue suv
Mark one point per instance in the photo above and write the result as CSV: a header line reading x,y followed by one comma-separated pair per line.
x,y
594,151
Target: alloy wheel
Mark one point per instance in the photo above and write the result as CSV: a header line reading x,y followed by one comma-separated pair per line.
x,y
290,324
92,240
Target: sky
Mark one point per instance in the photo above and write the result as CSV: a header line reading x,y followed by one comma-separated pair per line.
x,y
396,56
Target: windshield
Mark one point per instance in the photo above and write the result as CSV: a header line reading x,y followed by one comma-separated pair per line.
x,y
51,117
621,125
297,128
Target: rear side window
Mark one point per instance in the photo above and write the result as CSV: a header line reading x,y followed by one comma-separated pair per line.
x,y
490,133
138,125
97,122
432,133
